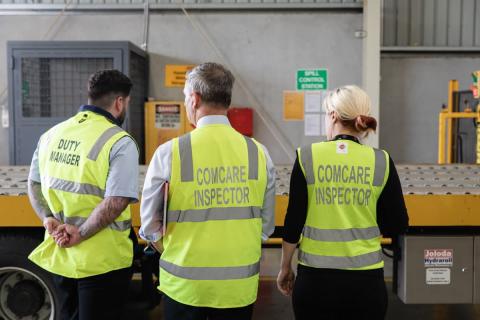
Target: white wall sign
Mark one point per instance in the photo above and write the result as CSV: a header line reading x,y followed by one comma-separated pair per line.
x,y
438,276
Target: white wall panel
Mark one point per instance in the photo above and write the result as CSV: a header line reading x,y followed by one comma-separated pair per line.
x,y
265,48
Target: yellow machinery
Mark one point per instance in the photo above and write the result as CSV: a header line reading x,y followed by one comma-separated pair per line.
x,y
164,120
476,94
446,121
437,196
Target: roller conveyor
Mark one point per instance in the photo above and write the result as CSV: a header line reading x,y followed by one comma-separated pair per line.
x,y
443,203
415,179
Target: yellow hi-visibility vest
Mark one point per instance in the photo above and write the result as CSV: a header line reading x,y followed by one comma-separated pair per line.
x,y
74,164
344,182
213,238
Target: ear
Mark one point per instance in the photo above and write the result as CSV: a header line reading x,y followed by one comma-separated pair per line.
x,y
118,103
196,100
333,116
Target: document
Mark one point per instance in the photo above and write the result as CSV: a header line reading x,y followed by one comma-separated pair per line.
x,y
313,101
312,125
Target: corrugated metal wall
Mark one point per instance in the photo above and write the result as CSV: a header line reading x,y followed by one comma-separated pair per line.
x,y
123,2
406,23
431,23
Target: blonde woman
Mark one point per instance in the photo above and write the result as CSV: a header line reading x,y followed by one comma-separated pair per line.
x,y
343,197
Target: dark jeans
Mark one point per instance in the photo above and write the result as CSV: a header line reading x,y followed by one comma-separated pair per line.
x,y
178,311
91,298
339,294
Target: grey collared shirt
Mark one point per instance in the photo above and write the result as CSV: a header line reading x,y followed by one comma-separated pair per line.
x,y
159,171
122,180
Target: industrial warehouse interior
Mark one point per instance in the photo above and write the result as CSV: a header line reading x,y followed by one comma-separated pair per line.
x,y
239,159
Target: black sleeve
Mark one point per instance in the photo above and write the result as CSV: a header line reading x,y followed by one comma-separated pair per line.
x,y
297,205
392,217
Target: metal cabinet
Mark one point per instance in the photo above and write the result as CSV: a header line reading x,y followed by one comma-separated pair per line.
x,y
47,84
476,270
437,269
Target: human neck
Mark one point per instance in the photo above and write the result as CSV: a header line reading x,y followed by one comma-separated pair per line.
x,y
204,111
338,129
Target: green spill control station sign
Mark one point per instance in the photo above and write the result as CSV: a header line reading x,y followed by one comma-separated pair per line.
x,y
312,79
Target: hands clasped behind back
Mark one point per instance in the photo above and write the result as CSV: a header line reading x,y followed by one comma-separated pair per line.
x,y
64,235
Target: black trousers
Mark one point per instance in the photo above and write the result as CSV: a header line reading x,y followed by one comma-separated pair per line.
x,y
174,310
339,294
96,297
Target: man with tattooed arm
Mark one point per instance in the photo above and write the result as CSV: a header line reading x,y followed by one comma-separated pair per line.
x,y
82,179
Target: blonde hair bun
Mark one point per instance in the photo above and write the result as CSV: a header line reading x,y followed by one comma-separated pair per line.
x,y
353,107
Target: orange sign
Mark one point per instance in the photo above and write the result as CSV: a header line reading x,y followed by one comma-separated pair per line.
x,y
175,75
293,105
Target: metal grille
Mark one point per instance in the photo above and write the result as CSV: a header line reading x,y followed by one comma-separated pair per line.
x,y
138,75
56,87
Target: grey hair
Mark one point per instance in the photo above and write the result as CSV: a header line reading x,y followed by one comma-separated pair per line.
x,y
213,82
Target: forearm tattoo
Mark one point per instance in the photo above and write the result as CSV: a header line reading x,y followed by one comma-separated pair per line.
x,y
103,215
37,199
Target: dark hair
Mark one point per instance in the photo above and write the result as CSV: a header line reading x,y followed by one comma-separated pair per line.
x,y
361,124
105,86
213,82
365,123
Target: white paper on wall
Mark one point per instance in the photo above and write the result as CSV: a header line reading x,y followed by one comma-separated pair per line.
x,y
313,101
312,125
323,131
5,122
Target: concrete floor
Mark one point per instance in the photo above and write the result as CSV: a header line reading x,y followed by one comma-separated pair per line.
x,y
272,305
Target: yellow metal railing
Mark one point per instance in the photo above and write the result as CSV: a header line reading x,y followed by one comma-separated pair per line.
x,y
478,142
445,135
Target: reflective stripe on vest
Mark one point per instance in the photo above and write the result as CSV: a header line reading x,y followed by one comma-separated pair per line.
x,y
202,215
307,163
73,187
379,174
252,159
78,221
380,168
334,262
341,235
97,147
186,159
211,273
